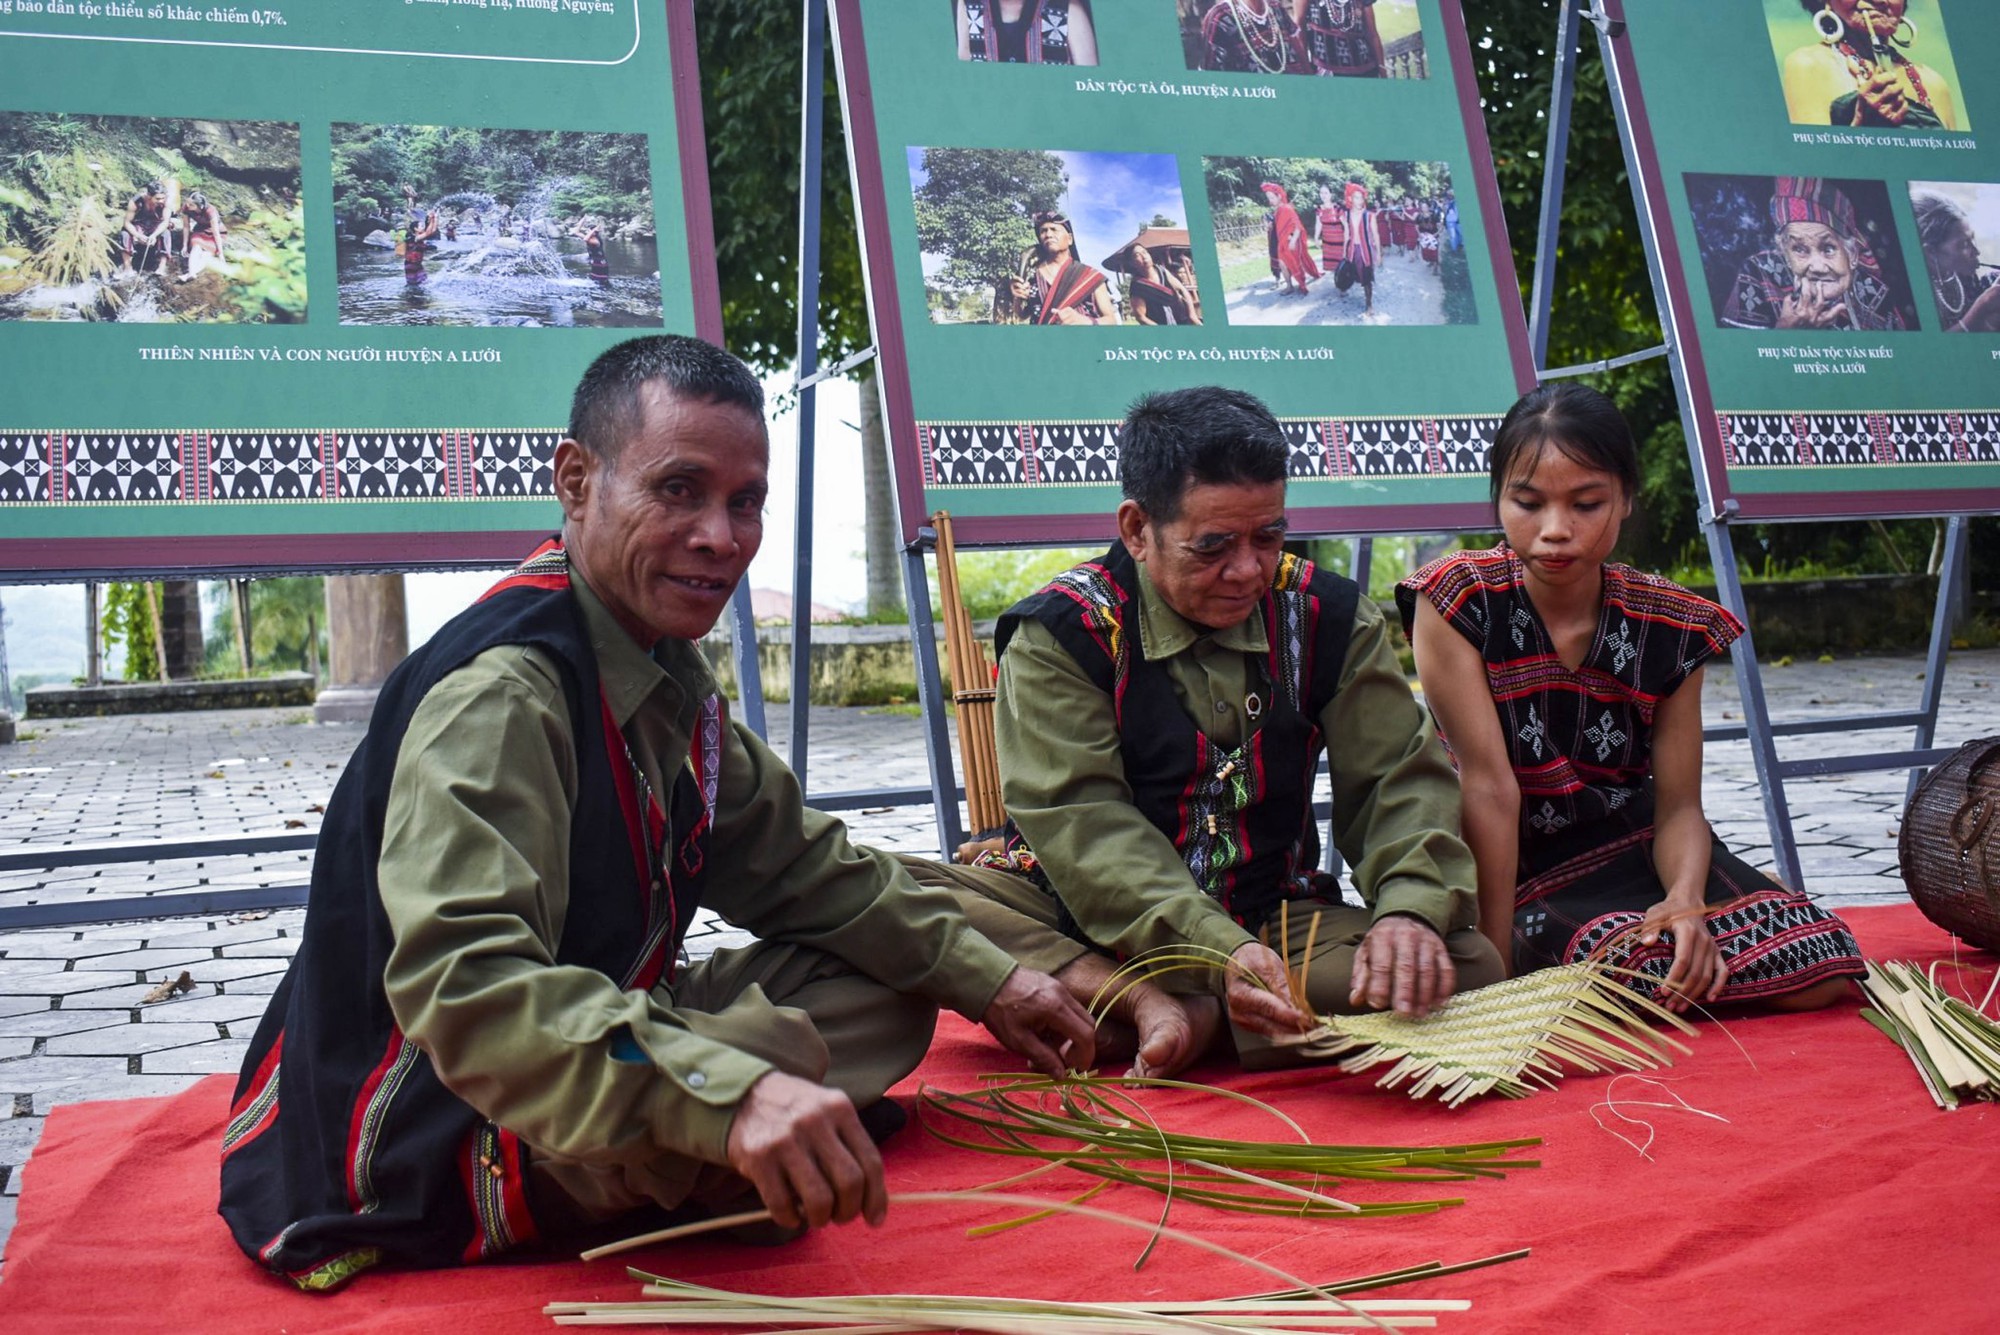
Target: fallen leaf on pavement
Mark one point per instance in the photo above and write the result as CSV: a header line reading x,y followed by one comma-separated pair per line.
x,y
184,983
254,915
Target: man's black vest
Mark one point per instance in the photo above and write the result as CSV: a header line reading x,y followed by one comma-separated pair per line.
x,y
343,1148
1241,819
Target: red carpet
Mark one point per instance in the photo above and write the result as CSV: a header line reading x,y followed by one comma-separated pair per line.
x,y
1835,1198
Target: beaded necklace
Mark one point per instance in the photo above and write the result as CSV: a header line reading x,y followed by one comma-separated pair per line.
x,y
1898,63
1247,25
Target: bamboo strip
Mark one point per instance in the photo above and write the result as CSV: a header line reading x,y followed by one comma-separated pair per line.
x,y
971,689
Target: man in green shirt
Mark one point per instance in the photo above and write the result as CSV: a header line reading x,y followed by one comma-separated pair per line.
x,y
495,1045
1161,715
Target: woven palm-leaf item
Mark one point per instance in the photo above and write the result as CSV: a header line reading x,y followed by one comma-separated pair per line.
x,y
1508,1038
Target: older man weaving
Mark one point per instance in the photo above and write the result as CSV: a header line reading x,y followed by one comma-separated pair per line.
x,y
485,1040
1162,711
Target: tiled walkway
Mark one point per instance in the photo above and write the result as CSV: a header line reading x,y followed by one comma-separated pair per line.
x,y
72,1025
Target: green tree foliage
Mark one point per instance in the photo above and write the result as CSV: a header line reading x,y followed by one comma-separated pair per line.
x,y
271,275
600,173
286,617
751,69
976,209
128,621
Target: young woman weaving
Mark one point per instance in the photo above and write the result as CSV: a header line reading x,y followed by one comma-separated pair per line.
x,y
1569,689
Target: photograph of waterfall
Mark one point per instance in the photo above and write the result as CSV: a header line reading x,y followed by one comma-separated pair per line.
x,y
448,225
150,220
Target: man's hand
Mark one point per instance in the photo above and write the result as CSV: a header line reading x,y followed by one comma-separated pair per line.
x,y
1699,971
1402,962
1269,1009
1036,1016
802,1146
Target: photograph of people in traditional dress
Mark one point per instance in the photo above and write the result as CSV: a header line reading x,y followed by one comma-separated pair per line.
x,y
1351,39
1958,225
1338,241
1867,64
449,225
150,220
1800,252
1035,236
1025,32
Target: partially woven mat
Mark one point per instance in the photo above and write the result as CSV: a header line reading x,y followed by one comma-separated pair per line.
x,y
1835,1197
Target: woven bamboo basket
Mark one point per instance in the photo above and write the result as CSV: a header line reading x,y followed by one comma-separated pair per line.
x,y
1950,845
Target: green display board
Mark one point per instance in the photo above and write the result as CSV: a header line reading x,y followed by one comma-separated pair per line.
x,y
1823,184
1060,216
308,287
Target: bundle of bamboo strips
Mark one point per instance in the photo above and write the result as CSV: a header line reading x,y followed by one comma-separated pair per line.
x,y
1101,1128
1954,1047
1506,1038
971,691
1300,1306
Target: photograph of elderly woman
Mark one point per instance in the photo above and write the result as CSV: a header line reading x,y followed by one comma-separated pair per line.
x,y
1338,241
1800,252
1351,39
1025,32
1872,64
1047,237
1958,225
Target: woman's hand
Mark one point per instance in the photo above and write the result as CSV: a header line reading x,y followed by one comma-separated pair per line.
x,y
1699,971
1984,317
1813,304
1883,93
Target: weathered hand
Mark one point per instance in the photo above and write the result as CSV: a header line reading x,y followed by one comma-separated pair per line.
x,y
1269,1009
1984,317
1402,962
1884,93
802,1146
1036,1016
1699,971
1071,315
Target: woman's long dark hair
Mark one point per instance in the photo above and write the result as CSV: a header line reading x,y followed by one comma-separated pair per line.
x,y
1585,425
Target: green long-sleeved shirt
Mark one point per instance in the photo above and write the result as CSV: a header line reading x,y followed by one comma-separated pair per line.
x,y
475,880
1062,777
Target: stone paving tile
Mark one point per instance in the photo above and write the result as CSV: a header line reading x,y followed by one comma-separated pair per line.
x,y
65,947
123,998
263,985
47,1024
229,1008
276,948
61,984
122,1086
128,1040
150,962
16,1045
223,1056
229,970
13,1006
37,1075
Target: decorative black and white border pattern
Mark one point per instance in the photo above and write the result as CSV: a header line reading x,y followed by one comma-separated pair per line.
x,y
1055,454
1808,440
168,467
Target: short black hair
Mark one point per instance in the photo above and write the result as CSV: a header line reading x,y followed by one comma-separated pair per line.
x,y
1206,434
1576,419
605,408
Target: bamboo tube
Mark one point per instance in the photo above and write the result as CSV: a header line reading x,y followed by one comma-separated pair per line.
x,y
971,690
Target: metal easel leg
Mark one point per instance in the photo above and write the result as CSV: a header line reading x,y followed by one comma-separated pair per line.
x,y
930,694
1951,571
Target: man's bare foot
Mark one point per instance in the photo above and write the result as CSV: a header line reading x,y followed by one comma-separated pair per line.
x,y
1174,1032
1161,1032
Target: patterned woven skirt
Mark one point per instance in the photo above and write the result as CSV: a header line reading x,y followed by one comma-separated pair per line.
x,y
1589,891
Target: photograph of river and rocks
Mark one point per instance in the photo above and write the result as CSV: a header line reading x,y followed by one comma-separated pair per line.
x,y
446,225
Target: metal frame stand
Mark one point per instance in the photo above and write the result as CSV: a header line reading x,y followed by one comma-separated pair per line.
x,y
1716,519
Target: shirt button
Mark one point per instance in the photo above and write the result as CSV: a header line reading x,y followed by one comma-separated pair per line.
x,y
697,1080
1221,707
